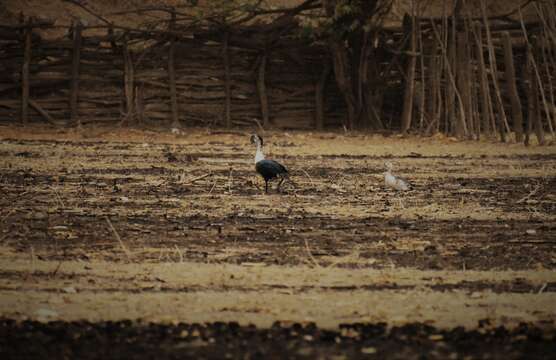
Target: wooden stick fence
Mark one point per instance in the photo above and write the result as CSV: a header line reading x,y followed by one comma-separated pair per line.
x,y
462,77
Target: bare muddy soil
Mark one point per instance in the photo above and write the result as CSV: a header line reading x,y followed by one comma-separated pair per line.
x,y
476,211
129,340
121,224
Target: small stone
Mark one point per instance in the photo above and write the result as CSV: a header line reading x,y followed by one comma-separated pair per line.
x,y
69,290
368,350
531,231
46,313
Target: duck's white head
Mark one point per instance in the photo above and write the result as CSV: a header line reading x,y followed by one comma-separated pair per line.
x,y
256,139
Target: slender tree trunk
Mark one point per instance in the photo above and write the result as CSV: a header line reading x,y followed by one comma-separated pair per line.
x,y
76,59
517,115
408,97
343,79
139,103
227,80
25,71
261,89
533,113
172,78
487,114
463,116
502,119
129,85
319,96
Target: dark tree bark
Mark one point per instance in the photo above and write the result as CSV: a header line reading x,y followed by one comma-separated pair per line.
x,y
172,77
129,78
319,96
350,50
25,73
517,115
76,59
409,92
261,90
227,80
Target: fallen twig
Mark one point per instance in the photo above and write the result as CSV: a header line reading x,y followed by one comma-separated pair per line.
x,y
309,176
56,270
117,236
311,255
528,196
179,253
212,188
58,196
197,179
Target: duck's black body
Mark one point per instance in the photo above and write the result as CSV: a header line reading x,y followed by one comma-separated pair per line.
x,y
270,169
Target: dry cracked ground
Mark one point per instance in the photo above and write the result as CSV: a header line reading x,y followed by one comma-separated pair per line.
x,y
173,232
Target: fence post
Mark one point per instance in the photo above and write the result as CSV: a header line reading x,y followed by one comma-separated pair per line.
x,y
534,113
139,106
227,80
407,113
128,80
487,112
76,55
463,119
319,96
517,116
25,71
261,89
172,76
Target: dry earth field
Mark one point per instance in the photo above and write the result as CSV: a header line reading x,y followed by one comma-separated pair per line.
x,y
102,226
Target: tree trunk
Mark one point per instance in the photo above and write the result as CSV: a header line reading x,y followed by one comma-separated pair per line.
x,y
261,90
487,115
517,115
319,96
76,59
533,106
139,104
407,113
172,78
502,119
462,76
129,79
25,72
227,81
343,79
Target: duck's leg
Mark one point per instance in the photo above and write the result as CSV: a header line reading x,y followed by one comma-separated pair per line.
x,y
280,183
265,186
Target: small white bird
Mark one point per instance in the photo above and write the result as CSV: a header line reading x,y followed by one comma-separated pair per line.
x,y
393,181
